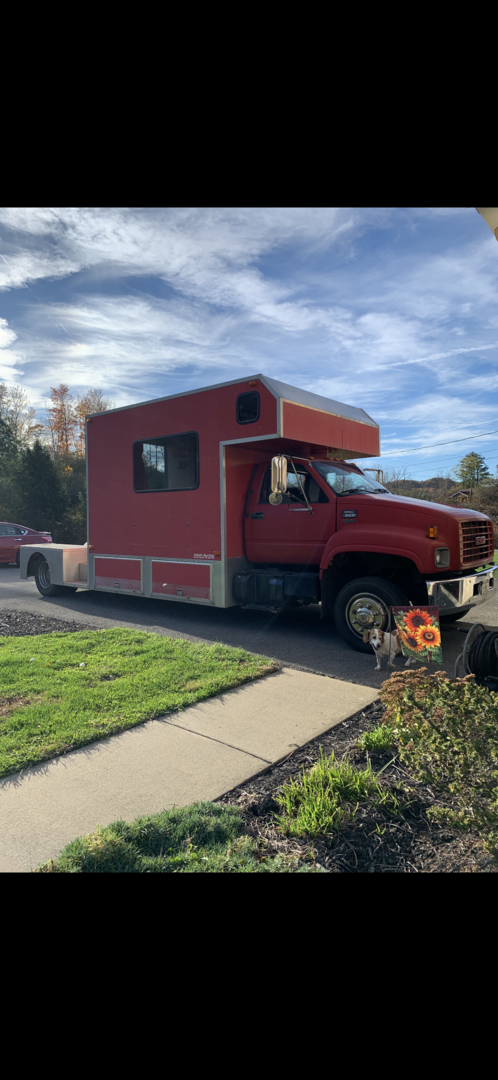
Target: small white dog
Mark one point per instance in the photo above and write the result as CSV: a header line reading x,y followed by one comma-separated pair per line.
x,y
384,645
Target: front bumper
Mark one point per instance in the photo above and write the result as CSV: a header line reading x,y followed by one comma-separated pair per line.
x,y
461,593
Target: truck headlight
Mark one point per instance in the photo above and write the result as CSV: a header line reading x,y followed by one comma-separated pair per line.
x,y
442,556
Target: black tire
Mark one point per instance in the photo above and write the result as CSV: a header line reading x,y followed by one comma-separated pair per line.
x,y
18,559
378,596
43,583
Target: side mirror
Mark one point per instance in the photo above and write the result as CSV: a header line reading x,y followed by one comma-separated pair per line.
x,y
278,479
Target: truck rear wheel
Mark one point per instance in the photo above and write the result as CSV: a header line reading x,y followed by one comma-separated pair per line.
x,y
363,605
43,583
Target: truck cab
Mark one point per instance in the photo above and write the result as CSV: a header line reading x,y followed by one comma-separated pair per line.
x,y
333,535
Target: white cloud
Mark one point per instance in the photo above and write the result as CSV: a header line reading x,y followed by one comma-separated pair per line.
x,y
436,424
7,336
9,358
190,246
452,352
131,345
309,295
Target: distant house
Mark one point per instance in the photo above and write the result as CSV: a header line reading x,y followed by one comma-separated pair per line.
x,y
462,494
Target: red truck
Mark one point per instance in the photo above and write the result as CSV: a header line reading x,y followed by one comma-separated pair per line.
x,y
245,493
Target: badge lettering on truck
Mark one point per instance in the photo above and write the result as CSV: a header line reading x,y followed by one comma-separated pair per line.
x,y
349,515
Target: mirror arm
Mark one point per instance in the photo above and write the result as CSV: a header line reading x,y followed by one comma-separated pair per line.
x,y
300,485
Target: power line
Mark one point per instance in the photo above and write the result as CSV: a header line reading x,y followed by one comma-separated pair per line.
x,y
437,458
413,473
413,449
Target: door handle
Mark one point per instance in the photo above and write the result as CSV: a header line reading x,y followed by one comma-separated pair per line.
x,y
257,515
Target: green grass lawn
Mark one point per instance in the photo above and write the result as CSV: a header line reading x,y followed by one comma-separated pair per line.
x,y
62,691
199,839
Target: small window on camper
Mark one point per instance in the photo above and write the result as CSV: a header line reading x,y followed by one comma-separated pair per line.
x,y
167,464
248,407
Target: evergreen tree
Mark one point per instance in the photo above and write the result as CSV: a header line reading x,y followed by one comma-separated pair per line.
x,y
472,470
8,443
43,497
9,452
71,468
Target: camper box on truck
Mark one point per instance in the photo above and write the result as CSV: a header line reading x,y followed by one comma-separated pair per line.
x,y
246,493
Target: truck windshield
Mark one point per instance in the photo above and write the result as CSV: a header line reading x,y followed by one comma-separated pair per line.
x,y
344,481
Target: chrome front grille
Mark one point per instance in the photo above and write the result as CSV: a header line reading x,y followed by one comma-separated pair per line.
x,y
476,542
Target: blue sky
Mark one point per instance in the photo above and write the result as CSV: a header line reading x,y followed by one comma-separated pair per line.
x,y
392,310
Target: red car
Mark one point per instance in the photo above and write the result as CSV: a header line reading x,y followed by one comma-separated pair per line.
x,y
12,536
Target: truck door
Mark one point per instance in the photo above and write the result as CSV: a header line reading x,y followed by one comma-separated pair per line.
x,y
289,533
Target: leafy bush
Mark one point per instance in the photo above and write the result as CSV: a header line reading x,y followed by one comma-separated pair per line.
x,y
447,734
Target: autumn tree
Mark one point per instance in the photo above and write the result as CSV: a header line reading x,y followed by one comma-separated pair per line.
x,y
87,404
62,421
16,411
66,417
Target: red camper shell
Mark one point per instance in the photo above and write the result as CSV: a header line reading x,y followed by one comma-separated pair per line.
x,y
168,480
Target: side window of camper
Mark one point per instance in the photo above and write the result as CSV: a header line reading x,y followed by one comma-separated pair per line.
x,y
167,464
247,408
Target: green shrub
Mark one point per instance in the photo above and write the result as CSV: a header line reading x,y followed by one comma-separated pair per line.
x,y
378,740
447,733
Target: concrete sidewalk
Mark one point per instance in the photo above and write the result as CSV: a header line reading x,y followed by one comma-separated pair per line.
x,y
196,754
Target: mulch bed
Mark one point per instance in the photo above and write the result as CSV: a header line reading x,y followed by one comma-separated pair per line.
x,y
375,841
24,624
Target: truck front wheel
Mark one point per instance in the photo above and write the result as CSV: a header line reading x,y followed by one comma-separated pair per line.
x,y
363,605
43,583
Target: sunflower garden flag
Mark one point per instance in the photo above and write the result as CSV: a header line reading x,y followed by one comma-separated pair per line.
x,y
420,636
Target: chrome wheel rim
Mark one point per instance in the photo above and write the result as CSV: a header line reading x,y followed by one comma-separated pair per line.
x,y
365,611
44,575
